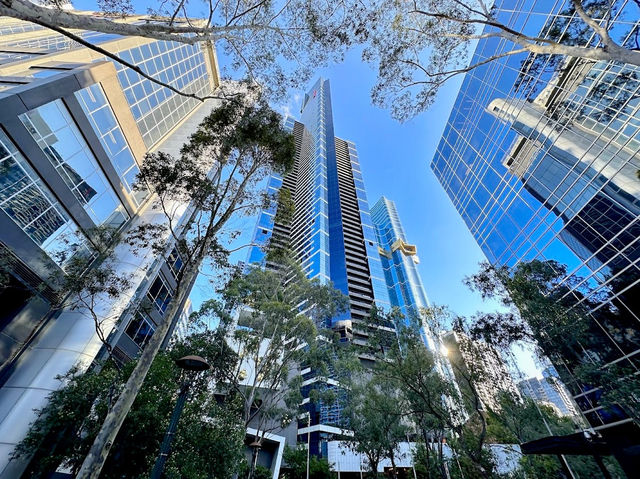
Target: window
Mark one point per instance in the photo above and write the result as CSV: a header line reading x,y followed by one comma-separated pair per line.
x,y
32,206
175,263
140,329
57,135
159,294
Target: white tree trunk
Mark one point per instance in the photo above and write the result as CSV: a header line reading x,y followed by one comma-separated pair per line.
x,y
26,10
93,463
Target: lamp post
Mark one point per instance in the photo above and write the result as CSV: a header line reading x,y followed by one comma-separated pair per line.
x,y
308,440
189,364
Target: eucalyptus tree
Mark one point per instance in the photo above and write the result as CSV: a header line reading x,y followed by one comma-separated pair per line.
x,y
274,319
418,45
565,320
275,43
210,438
375,422
218,176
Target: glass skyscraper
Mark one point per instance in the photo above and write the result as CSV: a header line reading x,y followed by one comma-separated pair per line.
x,y
331,234
540,157
74,128
400,264
406,291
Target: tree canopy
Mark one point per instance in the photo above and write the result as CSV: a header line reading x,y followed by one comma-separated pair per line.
x,y
216,177
210,436
418,45
276,44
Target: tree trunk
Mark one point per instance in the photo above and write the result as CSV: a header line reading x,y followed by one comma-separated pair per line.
x,y
33,12
611,52
93,463
254,462
442,465
394,471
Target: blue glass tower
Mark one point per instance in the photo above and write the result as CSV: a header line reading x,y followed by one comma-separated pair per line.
x,y
331,233
406,291
540,158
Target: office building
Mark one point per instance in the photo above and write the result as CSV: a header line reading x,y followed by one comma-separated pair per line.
x,y
550,391
540,158
330,233
74,128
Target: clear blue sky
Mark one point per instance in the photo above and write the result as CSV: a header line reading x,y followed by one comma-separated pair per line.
x,y
395,160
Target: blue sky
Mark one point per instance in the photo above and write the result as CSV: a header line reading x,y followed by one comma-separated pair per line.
x,y
395,160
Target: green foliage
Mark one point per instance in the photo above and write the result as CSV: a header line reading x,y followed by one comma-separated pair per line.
x,y
376,422
429,463
567,321
66,427
274,318
286,207
295,465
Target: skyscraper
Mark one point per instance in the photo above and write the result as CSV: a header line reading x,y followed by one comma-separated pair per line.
x,y
331,233
548,390
399,259
74,128
406,291
539,156
480,369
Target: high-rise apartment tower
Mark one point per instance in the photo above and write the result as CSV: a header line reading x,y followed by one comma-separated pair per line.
x,y
331,233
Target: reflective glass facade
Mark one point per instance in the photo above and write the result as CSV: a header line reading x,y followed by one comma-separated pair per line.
x,y
404,284
157,109
399,261
331,233
9,25
540,157
73,130
106,126
58,136
32,206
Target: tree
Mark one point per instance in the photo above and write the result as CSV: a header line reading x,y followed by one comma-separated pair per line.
x,y
278,44
566,321
295,467
424,396
273,319
373,416
418,45
217,176
524,420
88,279
210,438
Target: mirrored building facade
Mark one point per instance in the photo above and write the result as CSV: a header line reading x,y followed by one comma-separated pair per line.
x,y
74,128
540,157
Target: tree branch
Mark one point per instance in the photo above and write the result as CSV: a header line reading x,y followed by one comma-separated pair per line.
x,y
595,26
117,59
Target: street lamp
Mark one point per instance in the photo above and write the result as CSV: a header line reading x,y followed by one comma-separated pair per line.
x,y
189,364
308,440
